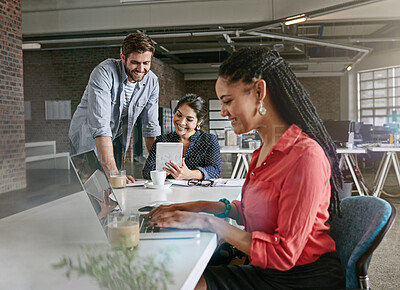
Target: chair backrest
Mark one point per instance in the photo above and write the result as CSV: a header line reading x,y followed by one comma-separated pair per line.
x,y
365,221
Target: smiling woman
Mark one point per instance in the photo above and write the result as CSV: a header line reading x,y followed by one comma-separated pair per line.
x,y
290,190
202,158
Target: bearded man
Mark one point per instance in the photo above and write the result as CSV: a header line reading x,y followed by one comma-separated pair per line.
x,y
118,92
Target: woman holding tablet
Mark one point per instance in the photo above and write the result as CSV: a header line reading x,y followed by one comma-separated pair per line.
x,y
202,158
291,187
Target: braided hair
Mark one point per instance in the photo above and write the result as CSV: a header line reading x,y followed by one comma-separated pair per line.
x,y
290,99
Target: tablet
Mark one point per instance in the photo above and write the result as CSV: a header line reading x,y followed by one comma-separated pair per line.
x,y
166,152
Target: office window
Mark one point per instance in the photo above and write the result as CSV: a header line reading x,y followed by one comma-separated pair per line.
x,y
378,95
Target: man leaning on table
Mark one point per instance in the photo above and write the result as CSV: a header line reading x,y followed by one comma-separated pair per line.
x,y
118,91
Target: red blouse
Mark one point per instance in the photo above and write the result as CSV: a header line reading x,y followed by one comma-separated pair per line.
x,y
285,203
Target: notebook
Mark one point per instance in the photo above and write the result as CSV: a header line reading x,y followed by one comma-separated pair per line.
x,y
97,187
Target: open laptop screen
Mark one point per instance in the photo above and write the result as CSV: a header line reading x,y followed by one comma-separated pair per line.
x,y
95,183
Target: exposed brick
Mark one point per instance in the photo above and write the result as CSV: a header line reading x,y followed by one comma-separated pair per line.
x,y
325,95
63,75
12,128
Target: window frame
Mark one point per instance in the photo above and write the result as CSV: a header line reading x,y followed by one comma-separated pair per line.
x,y
390,82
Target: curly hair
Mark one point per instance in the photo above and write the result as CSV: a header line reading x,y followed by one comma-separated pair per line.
x,y
290,99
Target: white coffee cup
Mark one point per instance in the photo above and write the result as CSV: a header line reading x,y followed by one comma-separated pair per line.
x,y
158,176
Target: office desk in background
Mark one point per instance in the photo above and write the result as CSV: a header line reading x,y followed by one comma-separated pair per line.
x,y
348,157
243,158
33,240
389,159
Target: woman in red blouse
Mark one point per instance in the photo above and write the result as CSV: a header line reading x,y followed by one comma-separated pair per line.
x,y
290,190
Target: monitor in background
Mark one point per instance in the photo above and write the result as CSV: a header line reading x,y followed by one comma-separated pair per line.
x,y
380,134
375,134
339,131
366,133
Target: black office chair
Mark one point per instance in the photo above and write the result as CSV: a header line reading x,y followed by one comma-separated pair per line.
x,y
365,222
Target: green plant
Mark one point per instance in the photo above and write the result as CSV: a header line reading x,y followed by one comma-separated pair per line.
x,y
120,269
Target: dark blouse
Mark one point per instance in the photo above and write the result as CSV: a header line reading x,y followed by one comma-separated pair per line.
x,y
203,154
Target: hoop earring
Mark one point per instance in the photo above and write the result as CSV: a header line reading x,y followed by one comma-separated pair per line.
x,y
198,127
262,111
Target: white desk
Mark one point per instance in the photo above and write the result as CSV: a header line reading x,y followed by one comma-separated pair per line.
x,y
242,161
389,158
33,240
193,255
347,157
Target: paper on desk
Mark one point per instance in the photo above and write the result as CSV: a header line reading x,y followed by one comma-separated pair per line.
x,y
229,182
137,183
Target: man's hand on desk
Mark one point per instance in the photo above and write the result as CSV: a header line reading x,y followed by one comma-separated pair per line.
x,y
130,179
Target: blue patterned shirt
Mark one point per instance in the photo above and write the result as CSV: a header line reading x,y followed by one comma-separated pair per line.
x,y
203,154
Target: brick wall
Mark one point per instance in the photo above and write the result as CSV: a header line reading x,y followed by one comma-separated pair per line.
x,y
12,131
205,89
172,84
325,95
63,75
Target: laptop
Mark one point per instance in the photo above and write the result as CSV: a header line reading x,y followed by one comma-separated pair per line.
x,y
94,182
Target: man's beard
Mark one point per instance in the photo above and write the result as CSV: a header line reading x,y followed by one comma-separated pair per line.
x,y
131,76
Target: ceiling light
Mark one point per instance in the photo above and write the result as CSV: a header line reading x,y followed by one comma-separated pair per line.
x,y
295,21
348,68
31,46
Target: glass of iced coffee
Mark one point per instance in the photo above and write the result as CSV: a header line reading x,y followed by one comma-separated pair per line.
x,y
118,178
123,229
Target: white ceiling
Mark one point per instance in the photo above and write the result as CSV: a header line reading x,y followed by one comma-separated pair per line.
x,y
195,36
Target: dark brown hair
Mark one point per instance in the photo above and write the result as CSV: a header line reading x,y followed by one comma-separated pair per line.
x,y
197,103
137,42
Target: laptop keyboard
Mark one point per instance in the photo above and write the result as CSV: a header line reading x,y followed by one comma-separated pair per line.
x,y
144,228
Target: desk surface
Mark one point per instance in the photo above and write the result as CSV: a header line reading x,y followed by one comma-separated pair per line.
x,y
354,150
135,197
384,148
33,240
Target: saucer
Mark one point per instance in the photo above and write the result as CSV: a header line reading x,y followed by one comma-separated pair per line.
x,y
150,184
